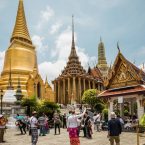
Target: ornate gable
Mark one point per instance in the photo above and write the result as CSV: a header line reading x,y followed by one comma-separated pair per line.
x,y
123,73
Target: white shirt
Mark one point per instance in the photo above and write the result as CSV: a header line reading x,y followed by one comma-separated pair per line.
x,y
97,117
73,121
33,122
94,118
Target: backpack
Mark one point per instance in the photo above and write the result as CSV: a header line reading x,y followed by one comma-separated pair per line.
x,y
57,120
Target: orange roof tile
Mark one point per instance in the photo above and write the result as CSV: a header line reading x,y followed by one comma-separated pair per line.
x,y
123,91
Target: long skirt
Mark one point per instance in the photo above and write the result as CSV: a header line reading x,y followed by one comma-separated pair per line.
x,y
34,134
73,135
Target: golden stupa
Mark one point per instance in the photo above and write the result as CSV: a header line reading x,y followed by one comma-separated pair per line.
x,y
21,62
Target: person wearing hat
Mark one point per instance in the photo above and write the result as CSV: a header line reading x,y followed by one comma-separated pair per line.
x,y
3,122
114,129
34,128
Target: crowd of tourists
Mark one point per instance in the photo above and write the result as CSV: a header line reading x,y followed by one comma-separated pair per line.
x,y
74,123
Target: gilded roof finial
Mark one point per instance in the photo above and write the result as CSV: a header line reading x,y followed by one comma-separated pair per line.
x,y
100,39
20,31
118,47
46,81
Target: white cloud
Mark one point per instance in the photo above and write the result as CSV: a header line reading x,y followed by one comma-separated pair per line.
x,y
54,28
39,43
2,55
51,69
45,16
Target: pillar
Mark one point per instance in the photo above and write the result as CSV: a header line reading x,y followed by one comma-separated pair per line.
x,y
69,95
80,90
89,84
59,92
64,99
110,108
55,99
74,89
140,108
93,84
84,84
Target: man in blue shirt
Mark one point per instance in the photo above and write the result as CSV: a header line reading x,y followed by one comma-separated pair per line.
x,y
114,129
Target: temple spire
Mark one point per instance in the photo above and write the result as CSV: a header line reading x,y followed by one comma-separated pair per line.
x,y
73,41
118,47
73,50
20,31
100,39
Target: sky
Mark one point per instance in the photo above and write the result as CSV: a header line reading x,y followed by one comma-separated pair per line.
x,y
49,24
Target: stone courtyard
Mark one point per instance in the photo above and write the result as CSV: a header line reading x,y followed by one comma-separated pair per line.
x,y
12,137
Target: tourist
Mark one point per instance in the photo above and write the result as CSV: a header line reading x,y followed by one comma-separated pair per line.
x,y
46,125
83,125
34,128
88,126
114,129
64,120
134,118
3,122
72,125
98,122
79,120
57,122
94,120
21,123
41,121
121,120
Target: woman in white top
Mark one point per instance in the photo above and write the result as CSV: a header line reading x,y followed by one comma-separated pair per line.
x,y
72,125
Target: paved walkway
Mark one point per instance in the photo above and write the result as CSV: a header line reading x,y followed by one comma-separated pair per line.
x,y
12,137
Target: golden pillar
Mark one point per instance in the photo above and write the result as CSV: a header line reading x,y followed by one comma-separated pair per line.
x,y
64,99
89,84
74,89
59,99
69,95
55,99
84,84
93,84
80,90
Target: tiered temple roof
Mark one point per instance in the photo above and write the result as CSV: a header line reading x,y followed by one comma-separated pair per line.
x,y
73,67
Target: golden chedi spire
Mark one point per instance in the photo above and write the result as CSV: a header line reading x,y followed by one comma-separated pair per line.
x,y
102,63
21,54
20,31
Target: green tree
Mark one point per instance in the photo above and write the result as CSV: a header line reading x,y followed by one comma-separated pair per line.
x,y
90,98
47,107
31,104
